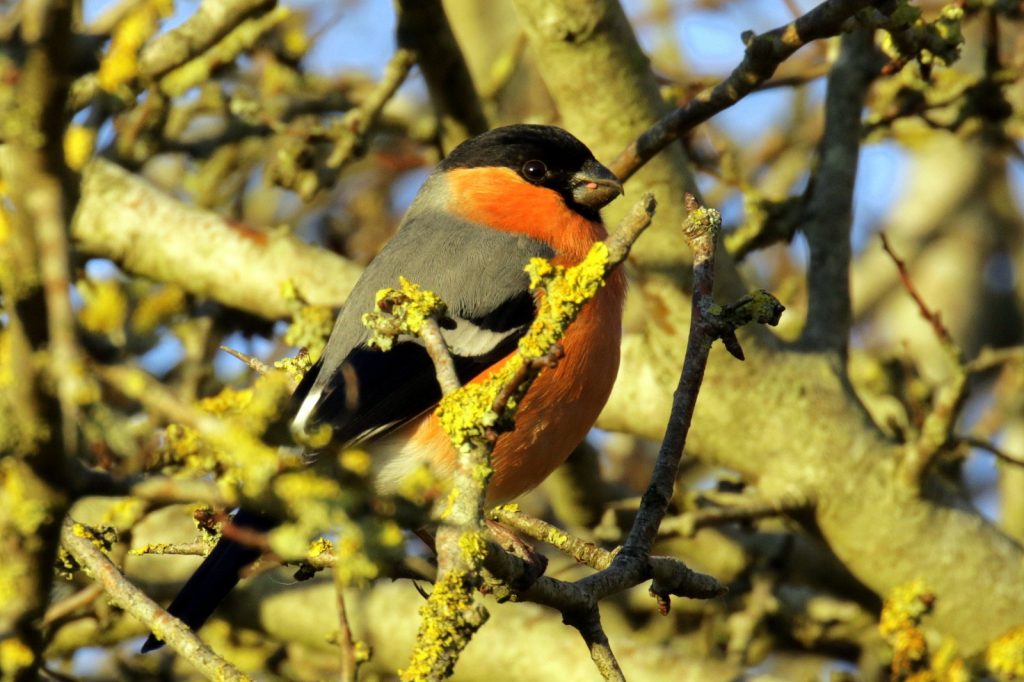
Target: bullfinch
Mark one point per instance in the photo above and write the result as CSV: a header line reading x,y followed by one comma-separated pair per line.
x,y
497,200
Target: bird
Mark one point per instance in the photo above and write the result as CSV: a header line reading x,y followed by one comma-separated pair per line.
x,y
495,202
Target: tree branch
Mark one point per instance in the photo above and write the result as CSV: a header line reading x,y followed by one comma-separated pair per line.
x,y
80,543
148,233
763,55
424,29
212,21
706,325
828,208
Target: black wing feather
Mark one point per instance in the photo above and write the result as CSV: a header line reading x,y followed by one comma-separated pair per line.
x,y
380,390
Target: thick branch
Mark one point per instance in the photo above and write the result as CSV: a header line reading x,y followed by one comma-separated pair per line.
x,y
423,28
148,233
828,211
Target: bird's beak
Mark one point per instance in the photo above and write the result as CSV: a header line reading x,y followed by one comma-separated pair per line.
x,y
594,185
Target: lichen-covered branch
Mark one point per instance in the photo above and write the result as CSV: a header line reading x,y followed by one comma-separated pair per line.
x,y
356,123
450,617
42,382
80,543
148,233
213,20
240,38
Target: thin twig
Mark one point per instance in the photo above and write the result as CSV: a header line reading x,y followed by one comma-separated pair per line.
x,y
584,552
254,363
588,623
79,542
198,548
990,358
993,449
937,429
933,317
440,354
212,21
763,55
65,607
353,127
701,233
349,659
744,508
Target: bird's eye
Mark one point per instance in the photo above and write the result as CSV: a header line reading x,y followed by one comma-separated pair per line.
x,y
534,170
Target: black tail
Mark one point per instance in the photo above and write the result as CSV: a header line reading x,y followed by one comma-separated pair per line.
x,y
214,578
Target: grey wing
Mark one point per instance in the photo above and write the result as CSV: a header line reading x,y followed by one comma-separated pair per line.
x,y
477,271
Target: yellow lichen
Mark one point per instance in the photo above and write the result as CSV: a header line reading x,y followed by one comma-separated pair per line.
x,y
228,401
446,626
566,291
320,546
25,507
466,414
401,311
311,326
390,534
474,547
124,513
79,142
156,307
419,485
355,460
105,309
1005,656
295,367
899,624
15,658
12,578
120,65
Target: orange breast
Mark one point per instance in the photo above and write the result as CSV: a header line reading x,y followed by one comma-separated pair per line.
x,y
553,418
564,402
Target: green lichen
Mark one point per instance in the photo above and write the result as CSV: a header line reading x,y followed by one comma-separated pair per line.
x,y
311,326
